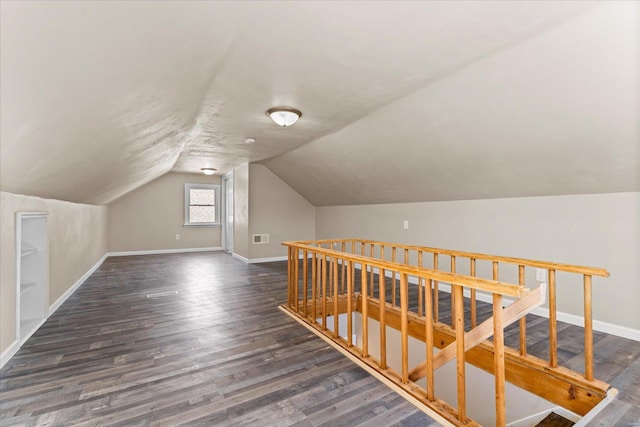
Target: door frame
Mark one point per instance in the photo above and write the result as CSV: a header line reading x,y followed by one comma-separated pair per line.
x,y
227,208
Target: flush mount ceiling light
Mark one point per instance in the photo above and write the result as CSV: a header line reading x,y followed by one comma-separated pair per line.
x,y
249,140
208,171
201,153
284,116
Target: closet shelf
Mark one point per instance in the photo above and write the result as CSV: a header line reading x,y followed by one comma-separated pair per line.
x,y
25,287
27,250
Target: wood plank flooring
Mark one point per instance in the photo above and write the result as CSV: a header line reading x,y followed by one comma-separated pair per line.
x,y
219,352
125,349
616,360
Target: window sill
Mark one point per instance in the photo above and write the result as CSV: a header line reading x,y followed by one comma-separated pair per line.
x,y
208,224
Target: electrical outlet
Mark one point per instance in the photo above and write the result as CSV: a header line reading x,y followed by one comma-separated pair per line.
x,y
177,237
405,224
541,275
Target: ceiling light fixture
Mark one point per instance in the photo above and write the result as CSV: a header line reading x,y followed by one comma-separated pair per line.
x,y
208,171
284,116
249,140
201,153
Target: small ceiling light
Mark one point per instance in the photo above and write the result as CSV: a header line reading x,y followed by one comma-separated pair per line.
x,y
284,116
249,140
201,153
208,171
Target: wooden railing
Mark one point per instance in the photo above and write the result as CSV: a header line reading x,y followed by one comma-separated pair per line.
x,y
332,277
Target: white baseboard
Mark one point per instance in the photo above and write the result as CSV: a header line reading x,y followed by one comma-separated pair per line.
x,y
15,346
598,325
572,319
271,259
164,251
240,257
261,260
9,352
75,286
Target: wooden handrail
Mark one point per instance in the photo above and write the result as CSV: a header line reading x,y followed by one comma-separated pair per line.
x,y
570,268
493,286
330,287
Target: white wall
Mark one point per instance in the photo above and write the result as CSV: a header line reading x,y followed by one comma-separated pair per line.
x,y
600,230
77,241
278,210
556,114
149,217
241,211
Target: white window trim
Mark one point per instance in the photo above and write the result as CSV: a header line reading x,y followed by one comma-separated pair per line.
x,y
191,186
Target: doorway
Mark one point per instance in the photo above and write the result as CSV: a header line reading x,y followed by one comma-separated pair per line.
x,y
227,207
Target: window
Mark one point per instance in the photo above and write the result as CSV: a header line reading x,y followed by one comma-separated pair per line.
x,y
201,204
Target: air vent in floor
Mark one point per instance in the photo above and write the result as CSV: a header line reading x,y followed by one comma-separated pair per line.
x,y
162,294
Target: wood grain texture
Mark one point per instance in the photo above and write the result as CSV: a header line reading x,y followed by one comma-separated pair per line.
x,y
580,398
217,353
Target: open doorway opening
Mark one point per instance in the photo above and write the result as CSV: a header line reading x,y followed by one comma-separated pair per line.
x,y
227,216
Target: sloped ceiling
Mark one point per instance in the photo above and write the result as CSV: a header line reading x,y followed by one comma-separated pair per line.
x,y
557,114
401,101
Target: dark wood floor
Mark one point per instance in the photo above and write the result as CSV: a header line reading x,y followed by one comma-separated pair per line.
x,y
125,349
217,353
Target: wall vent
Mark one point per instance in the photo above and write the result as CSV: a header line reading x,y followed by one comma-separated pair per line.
x,y
260,238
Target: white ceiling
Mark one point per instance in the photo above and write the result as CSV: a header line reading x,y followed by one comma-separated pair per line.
x,y
401,101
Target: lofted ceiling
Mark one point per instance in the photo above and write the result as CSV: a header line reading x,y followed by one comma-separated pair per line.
x,y
401,101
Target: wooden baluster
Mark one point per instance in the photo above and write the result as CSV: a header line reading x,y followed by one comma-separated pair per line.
x,y
553,322
523,321
453,270
349,303
363,270
371,252
343,270
406,262
324,293
404,326
393,279
428,333
305,273
498,360
495,270
436,304
420,285
295,279
588,330
336,316
383,326
290,277
458,297
382,279
474,317
365,313
314,285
